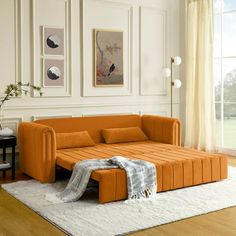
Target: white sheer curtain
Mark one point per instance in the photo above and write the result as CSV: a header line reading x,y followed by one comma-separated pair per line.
x,y
200,112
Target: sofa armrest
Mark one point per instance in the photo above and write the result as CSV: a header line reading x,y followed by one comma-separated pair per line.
x,y
37,146
162,129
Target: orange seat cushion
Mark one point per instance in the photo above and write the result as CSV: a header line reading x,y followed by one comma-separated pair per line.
x,y
176,166
120,135
73,140
68,157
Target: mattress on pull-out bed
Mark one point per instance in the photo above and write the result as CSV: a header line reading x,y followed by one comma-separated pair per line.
x,y
176,166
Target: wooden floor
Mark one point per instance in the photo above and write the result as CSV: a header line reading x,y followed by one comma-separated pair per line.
x,y
17,219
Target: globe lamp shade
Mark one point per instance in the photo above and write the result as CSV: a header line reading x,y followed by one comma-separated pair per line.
x,y
176,60
166,72
177,83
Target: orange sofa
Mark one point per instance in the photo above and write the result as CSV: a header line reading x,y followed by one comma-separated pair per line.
x,y
176,166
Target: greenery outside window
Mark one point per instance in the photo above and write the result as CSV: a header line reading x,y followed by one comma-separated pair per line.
x,y
225,71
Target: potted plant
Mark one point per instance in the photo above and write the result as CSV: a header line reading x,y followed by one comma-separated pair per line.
x,y
15,90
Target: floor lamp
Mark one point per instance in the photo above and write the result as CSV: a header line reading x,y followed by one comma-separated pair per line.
x,y
168,72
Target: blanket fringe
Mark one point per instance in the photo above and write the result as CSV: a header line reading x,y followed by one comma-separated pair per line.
x,y
149,192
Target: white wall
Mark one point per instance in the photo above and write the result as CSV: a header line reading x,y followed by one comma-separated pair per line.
x,y
151,37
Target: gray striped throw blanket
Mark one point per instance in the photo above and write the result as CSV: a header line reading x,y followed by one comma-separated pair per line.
x,y
141,177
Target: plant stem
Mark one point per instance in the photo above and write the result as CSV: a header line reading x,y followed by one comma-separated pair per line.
x,y
4,99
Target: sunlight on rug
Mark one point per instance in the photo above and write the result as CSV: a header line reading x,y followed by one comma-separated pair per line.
x,y
88,217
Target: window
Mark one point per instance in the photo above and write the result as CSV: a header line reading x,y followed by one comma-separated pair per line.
x,y
225,71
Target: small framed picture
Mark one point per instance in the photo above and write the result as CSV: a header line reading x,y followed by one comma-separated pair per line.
x,y
53,41
53,73
108,58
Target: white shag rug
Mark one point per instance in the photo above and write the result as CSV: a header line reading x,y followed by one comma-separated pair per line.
x,y
88,217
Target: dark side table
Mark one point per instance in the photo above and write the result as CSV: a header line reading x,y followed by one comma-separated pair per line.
x,y
8,142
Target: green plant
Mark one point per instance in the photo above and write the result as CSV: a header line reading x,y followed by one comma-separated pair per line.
x,y
15,90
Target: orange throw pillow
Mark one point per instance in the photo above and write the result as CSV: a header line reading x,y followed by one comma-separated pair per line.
x,y
73,140
120,135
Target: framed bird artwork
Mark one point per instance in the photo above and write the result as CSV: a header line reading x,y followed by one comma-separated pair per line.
x,y
108,57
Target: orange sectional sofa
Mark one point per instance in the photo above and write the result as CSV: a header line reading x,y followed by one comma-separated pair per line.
x,y
176,166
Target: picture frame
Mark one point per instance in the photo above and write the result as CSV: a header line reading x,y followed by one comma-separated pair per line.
x,y
53,41
108,57
53,73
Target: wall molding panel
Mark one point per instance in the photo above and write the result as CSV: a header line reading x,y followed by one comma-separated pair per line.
x,y
123,13
18,45
152,39
10,43
86,105
151,36
37,45
154,112
43,117
12,122
106,114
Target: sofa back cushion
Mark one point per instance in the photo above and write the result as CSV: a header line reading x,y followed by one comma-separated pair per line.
x,y
73,140
94,125
120,135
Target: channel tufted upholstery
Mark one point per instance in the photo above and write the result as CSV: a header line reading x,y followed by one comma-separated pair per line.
x,y
176,166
